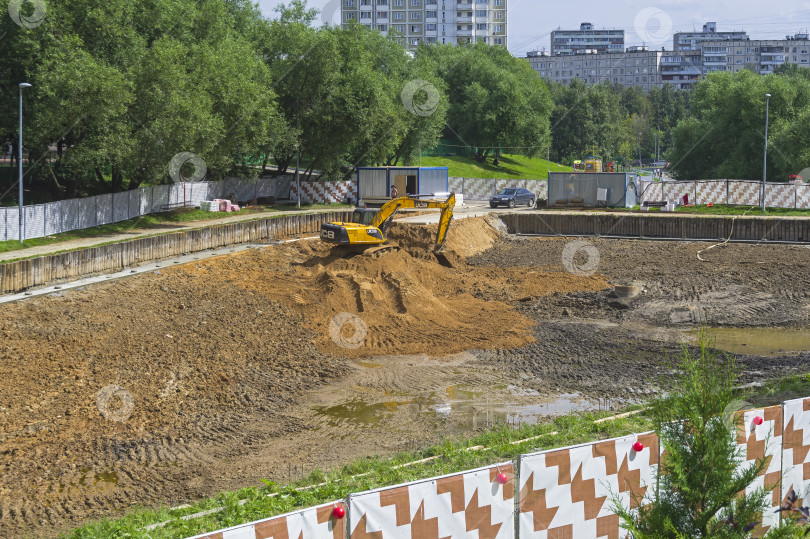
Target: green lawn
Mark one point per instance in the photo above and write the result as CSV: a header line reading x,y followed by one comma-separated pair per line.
x,y
721,209
511,167
159,220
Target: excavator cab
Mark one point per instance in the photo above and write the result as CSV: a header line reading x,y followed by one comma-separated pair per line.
x,y
363,216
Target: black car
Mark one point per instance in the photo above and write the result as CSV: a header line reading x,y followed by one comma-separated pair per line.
x,y
512,197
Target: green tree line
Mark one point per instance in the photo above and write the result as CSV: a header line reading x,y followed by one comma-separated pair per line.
x,y
121,87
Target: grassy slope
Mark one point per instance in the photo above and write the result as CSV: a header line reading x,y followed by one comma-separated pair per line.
x,y
251,504
155,220
512,167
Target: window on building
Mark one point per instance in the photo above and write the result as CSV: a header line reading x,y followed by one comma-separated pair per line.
x,y
416,3
349,3
399,16
481,26
498,28
350,16
382,27
416,16
365,14
431,27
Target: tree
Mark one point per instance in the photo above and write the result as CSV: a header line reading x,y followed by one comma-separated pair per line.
x,y
725,138
701,491
122,86
496,101
587,119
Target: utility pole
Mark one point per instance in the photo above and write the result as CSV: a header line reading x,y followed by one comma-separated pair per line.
x,y
765,162
23,85
298,151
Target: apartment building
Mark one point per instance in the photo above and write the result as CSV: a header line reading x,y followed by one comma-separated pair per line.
x,y
637,66
570,42
691,41
761,56
432,21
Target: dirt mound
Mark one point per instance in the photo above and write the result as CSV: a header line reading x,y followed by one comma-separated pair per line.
x,y
402,302
466,237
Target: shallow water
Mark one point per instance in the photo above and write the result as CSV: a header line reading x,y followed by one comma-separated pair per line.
x,y
760,341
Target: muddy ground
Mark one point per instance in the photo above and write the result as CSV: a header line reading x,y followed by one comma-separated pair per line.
x,y
231,370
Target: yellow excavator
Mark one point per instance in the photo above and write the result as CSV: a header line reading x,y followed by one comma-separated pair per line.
x,y
367,230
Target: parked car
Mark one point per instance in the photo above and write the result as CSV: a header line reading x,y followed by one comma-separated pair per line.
x,y
512,197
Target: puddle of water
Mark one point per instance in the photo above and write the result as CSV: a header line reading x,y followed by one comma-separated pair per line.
x,y
461,409
110,478
359,411
759,341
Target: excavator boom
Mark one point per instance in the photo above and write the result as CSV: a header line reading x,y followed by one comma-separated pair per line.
x,y
374,232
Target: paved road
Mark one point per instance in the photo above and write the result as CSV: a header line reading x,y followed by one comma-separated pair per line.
x,y
469,209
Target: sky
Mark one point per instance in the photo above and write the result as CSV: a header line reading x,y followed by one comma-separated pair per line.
x,y
651,23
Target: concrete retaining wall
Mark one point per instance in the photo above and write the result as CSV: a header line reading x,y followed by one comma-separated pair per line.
x,y
686,227
23,274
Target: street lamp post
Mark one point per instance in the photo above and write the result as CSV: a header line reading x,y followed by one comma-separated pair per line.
x,y
765,162
22,85
639,151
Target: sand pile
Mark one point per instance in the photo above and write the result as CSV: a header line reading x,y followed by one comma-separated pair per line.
x,y
466,237
407,302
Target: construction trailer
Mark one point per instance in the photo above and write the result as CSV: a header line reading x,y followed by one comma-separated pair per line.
x,y
374,183
595,190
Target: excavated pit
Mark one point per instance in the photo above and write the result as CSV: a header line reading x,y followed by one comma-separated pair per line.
x,y
237,366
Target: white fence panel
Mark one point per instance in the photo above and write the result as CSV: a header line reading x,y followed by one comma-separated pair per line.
x,y
53,218
104,209
469,505
120,207
568,492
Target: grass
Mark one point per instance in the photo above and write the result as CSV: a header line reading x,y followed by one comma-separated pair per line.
x,y
722,209
157,220
717,209
512,167
251,504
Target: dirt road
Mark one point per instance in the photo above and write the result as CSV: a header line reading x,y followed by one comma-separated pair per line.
x,y
210,376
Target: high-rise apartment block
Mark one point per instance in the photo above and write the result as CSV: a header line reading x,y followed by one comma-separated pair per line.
x,y
432,21
567,42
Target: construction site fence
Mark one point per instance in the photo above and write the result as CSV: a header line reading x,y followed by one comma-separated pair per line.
x,y
20,275
42,220
484,188
677,226
730,192
570,492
